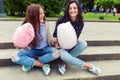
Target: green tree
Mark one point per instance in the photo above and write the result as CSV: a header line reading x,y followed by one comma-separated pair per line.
x,y
14,7
18,7
53,7
107,3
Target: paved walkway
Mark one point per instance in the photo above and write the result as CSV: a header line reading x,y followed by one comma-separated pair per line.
x,y
91,31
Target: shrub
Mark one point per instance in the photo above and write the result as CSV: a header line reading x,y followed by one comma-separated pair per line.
x,y
119,18
101,17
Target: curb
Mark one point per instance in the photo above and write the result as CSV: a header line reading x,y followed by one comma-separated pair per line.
x,y
21,19
104,43
94,57
9,45
108,77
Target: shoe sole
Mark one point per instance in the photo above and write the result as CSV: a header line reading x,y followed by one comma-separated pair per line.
x,y
61,71
47,72
24,69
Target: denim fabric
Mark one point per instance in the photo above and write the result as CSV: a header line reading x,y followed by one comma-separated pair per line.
x,y
26,57
79,48
71,56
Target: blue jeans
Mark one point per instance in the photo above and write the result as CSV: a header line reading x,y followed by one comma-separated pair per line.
x,y
70,56
26,57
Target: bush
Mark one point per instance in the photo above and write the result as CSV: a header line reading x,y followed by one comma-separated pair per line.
x,y
119,18
101,17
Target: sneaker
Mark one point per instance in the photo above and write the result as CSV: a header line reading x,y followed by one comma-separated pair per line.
x,y
61,69
26,68
46,69
95,70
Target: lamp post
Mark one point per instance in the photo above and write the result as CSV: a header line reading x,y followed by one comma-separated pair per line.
x,y
2,10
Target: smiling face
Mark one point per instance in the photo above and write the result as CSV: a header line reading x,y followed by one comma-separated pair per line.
x,y
42,15
73,11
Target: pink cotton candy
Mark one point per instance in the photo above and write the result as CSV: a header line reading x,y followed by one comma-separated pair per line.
x,y
23,35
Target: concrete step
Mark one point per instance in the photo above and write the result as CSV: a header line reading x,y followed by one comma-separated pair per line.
x,y
92,30
9,45
109,71
101,53
90,54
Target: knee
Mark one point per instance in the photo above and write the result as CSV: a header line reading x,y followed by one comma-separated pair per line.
x,y
15,58
63,53
56,54
65,56
83,43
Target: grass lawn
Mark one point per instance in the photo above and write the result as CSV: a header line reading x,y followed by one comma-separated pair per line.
x,y
87,16
107,17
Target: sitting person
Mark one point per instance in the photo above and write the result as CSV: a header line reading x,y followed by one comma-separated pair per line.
x,y
73,14
35,41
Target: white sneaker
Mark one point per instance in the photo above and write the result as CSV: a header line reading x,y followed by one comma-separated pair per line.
x,y
95,70
61,69
26,68
46,69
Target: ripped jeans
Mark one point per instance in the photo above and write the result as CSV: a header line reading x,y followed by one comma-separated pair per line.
x,y
26,57
70,56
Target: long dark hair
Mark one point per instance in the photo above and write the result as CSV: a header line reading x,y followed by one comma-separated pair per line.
x,y
32,16
79,16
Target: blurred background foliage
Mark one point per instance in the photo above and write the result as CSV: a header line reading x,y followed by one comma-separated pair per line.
x,y
53,8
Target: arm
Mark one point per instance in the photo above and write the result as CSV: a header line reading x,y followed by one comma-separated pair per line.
x,y
55,34
51,41
55,31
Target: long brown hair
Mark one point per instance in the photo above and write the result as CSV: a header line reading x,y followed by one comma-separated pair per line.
x,y
32,16
79,16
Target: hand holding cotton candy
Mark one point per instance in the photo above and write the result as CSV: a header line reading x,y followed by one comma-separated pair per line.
x,y
23,35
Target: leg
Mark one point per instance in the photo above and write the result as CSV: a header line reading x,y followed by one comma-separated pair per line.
x,y
49,54
68,58
74,52
79,48
26,58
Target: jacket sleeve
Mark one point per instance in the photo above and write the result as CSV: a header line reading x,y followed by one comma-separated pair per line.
x,y
55,30
50,37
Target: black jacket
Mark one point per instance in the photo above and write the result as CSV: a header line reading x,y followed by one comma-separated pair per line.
x,y
77,26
